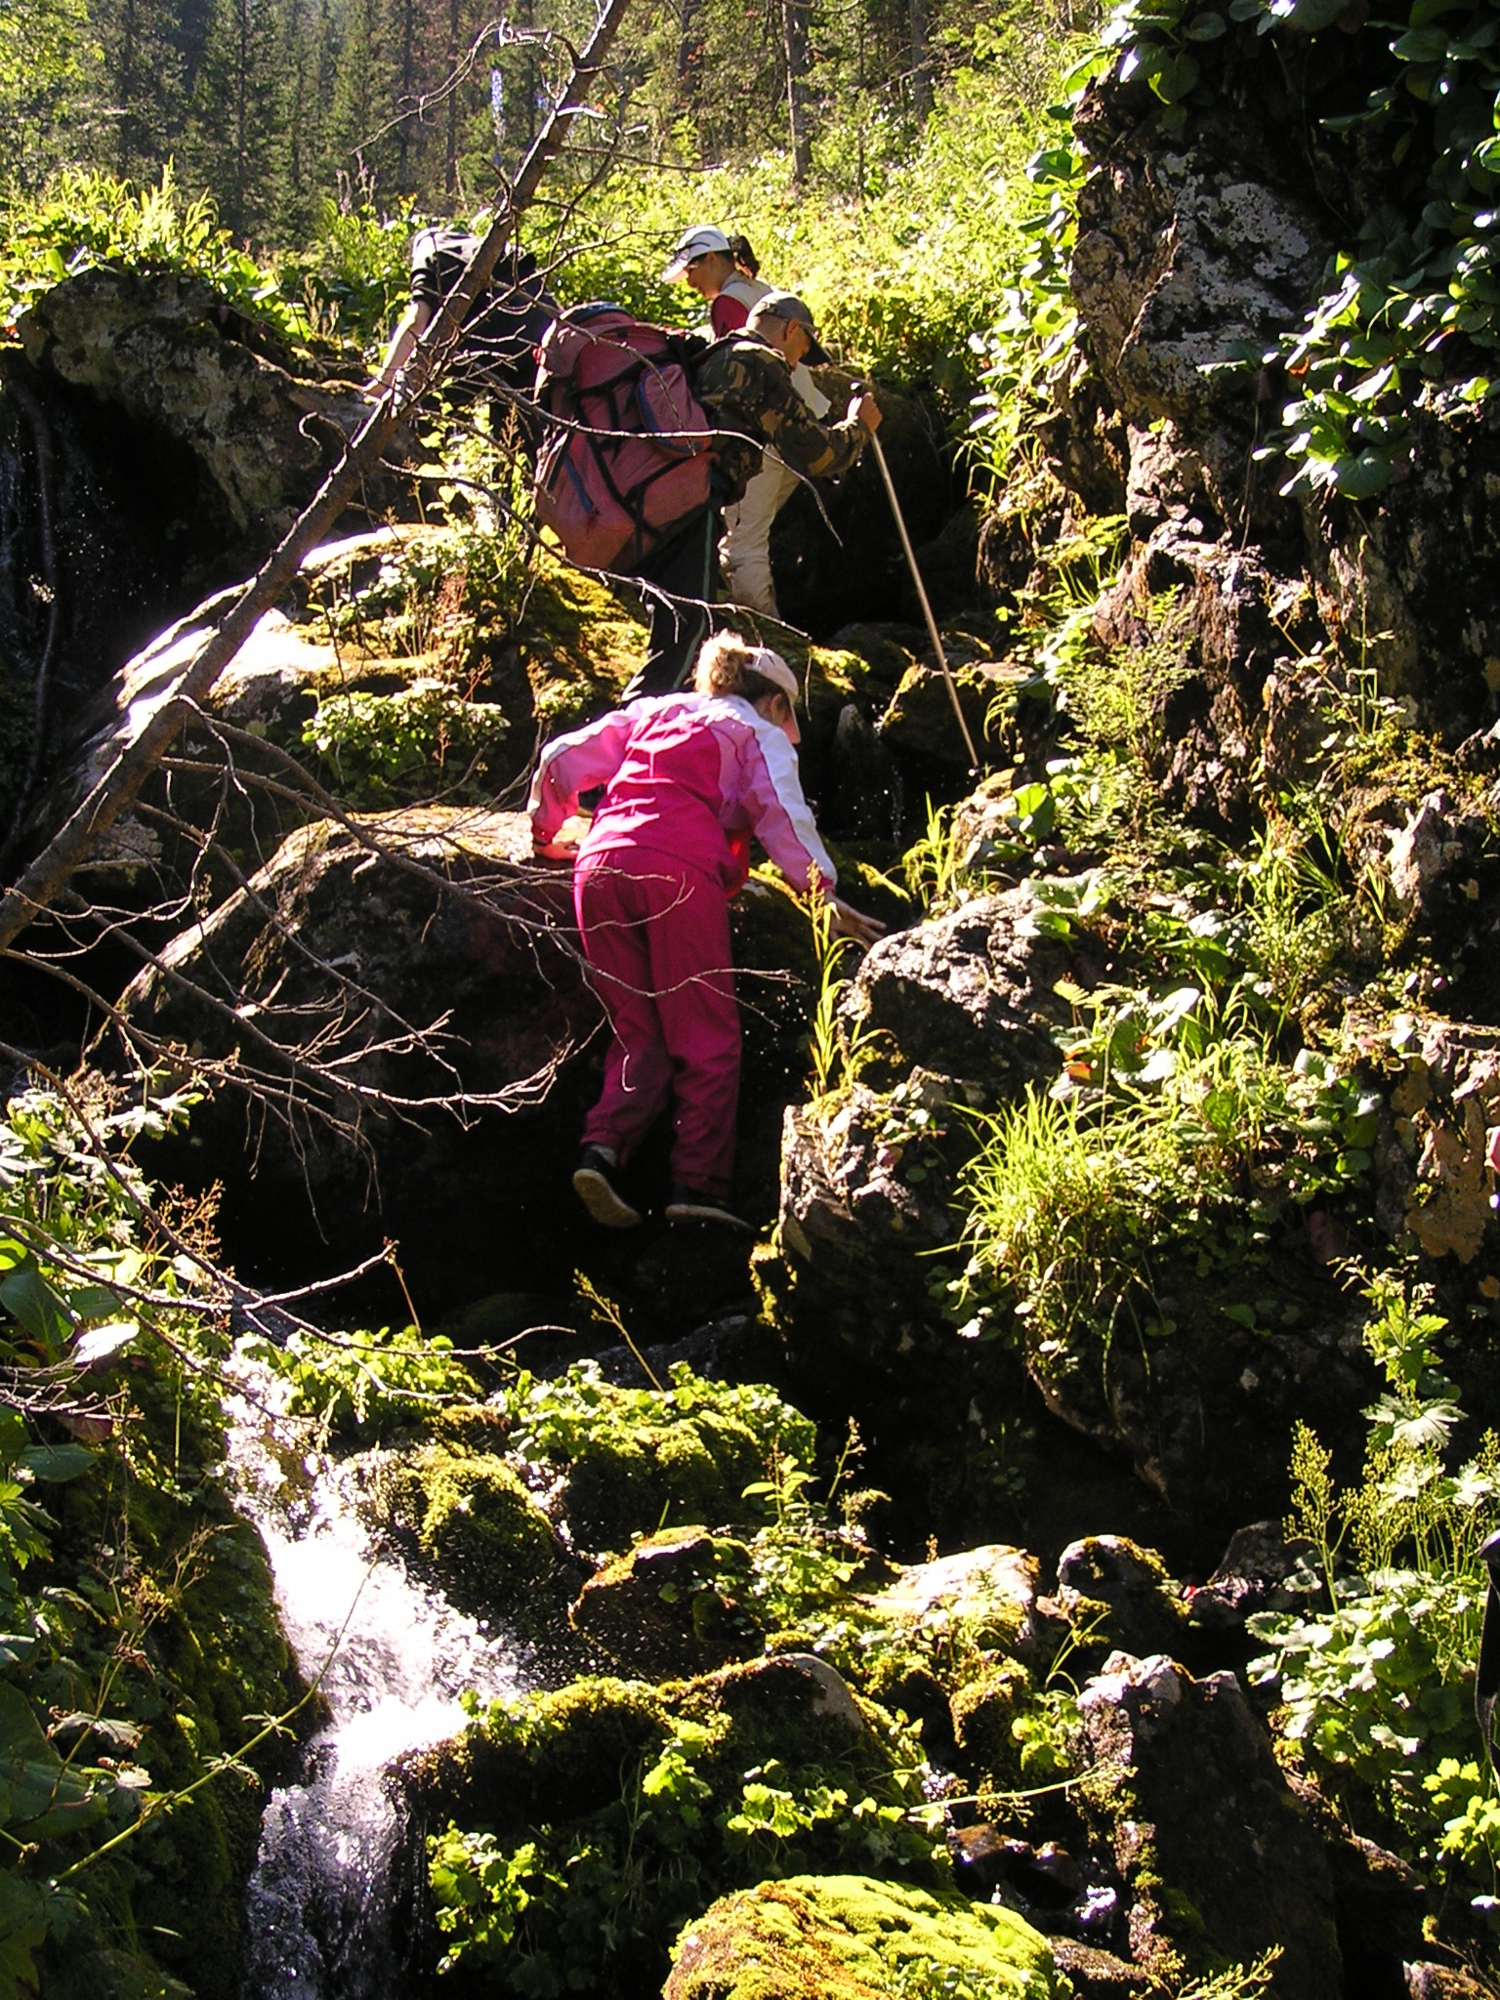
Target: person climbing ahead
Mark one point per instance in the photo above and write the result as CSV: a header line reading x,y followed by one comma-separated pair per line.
x,y
723,269
688,778
745,386
502,327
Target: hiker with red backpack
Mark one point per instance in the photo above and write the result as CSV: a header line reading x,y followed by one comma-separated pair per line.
x,y
654,434
687,780
724,270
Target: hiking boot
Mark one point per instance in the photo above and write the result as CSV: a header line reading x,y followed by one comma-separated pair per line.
x,y
595,1189
686,1206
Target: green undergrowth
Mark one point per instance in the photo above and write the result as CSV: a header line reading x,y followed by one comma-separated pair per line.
x,y
585,1828
142,1660
1375,1683
336,296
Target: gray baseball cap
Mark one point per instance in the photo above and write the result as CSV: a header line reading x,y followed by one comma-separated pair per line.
x,y
787,306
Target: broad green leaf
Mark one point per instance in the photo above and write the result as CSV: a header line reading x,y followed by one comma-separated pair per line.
x,y
1175,76
28,1297
1421,45
1363,477
57,1463
99,1344
93,1302
45,1800
1205,28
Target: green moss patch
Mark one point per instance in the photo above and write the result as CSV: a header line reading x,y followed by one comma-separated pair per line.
x,y
472,1522
844,1937
638,1460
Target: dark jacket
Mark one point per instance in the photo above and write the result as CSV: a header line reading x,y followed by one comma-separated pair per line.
x,y
509,316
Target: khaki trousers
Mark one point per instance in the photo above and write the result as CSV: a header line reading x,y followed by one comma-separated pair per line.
x,y
745,551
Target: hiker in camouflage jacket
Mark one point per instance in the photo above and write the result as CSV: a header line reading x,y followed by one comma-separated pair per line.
x,y
745,386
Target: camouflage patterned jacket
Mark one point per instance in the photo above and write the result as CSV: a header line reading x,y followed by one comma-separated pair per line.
x,y
746,391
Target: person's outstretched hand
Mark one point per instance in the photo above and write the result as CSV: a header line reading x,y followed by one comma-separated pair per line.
x,y
555,850
851,923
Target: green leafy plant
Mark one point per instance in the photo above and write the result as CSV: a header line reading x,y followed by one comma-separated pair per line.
x,y
88,219
363,1386
385,746
1373,1685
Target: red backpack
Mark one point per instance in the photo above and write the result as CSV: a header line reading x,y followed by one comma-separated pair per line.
x,y
632,455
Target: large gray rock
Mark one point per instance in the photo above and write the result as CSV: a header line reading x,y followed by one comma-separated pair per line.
x,y
969,994
1219,1859
172,356
425,923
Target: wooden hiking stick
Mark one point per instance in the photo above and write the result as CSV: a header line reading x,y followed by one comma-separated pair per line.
x,y
916,577
143,749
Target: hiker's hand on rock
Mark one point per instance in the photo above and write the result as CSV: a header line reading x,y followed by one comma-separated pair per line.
x,y
867,410
851,923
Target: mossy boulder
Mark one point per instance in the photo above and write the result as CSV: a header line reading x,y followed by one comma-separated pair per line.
x,y
844,1937
675,1603
620,1810
469,1519
984,1713
1116,1594
638,1460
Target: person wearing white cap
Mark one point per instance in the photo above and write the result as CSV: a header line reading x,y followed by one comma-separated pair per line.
x,y
724,270
687,778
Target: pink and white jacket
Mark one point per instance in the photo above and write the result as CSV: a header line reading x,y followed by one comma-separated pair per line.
x,y
688,776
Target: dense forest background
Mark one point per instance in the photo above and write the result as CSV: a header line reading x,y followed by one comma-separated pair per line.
x,y
277,108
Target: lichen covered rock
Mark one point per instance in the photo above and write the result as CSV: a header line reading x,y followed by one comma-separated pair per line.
x,y
1433,1178
844,1937
969,994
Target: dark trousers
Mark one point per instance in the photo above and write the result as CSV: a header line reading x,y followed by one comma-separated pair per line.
x,y
677,618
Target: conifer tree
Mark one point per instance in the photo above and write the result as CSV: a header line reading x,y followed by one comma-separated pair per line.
x,y
362,118
142,69
236,116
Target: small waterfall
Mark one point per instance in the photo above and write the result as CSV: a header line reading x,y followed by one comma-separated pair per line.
x,y
318,1905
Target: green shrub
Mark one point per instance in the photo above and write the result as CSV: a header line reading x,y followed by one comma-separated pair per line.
x,y
627,1809
84,219
1375,1685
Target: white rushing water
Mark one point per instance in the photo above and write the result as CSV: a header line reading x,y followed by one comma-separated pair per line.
x,y
318,1905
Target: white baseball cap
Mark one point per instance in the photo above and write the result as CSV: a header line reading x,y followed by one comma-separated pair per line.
x,y
697,243
771,667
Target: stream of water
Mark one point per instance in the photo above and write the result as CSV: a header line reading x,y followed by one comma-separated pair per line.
x,y
394,1659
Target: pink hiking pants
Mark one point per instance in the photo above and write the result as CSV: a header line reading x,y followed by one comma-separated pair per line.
x,y
656,936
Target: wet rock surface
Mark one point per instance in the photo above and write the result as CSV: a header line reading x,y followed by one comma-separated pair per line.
x,y
1205,1830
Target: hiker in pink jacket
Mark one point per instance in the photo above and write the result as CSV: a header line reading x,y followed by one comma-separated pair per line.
x,y
688,779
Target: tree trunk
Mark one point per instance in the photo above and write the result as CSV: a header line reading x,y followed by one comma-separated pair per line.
x,y
685,46
794,40
921,61
450,142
